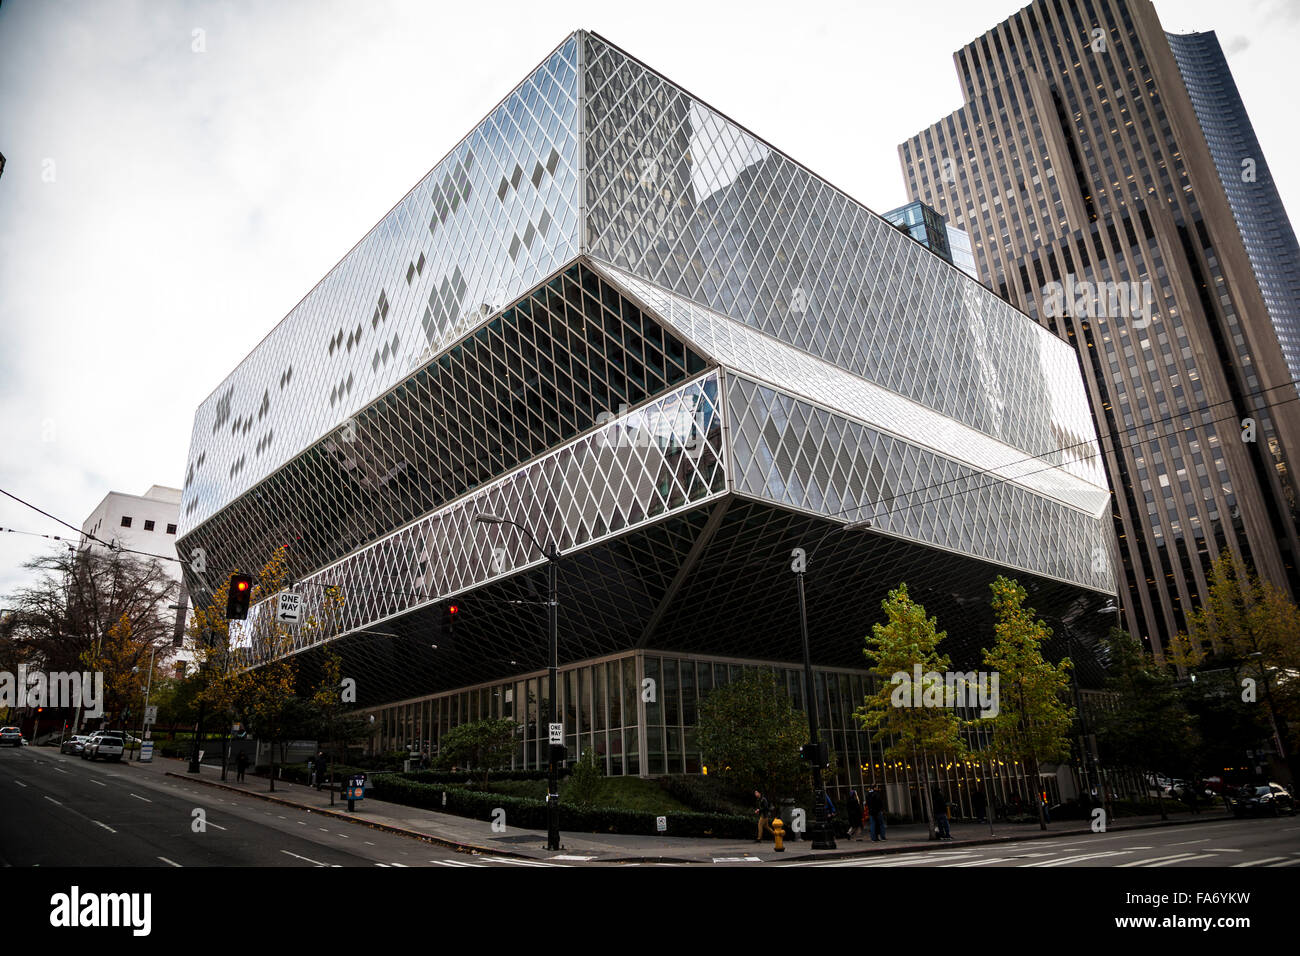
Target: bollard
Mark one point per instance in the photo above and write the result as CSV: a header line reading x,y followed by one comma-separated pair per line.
x,y
778,835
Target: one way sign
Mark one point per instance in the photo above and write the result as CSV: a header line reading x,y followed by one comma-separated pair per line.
x,y
289,609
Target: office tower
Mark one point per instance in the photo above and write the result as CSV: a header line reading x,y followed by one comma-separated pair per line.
x,y
1077,165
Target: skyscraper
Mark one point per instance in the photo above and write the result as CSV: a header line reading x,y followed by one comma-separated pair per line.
x,y
613,315
1248,182
1078,167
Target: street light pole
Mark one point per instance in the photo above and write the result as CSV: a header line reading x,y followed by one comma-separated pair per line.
x,y
145,717
823,836
552,554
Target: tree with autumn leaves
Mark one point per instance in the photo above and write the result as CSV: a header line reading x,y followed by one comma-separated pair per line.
x,y
1250,628
250,671
898,710
1033,720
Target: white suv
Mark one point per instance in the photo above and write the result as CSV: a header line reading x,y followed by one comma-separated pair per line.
x,y
105,743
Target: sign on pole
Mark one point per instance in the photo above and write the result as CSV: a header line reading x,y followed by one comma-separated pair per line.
x,y
151,715
661,824
557,733
146,752
289,608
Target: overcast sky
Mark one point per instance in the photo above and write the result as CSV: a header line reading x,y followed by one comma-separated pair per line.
x,y
162,207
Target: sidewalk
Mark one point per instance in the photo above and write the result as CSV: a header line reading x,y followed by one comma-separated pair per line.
x,y
475,836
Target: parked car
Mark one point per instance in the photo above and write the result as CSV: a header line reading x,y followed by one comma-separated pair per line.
x,y
11,737
74,744
107,744
1270,799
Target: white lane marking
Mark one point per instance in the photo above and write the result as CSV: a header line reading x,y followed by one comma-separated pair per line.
x,y
728,859
104,825
454,863
138,797
169,862
1155,859
1188,842
53,801
1267,859
1224,849
402,865
308,859
21,784
381,864
577,858
1286,863
98,783
217,825
368,843
59,769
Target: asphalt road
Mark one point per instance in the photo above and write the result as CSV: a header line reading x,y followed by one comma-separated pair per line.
x,y
60,810
1265,842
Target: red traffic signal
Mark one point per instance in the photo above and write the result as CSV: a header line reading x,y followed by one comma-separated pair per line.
x,y
241,591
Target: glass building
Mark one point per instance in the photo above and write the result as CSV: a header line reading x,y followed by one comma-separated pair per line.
x,y
619,318
931,230
1075,163
1247,180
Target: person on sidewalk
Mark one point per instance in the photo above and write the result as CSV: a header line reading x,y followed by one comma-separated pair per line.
x,y
853,814
241,765
941,814
320,769
876,807
764,811
981,802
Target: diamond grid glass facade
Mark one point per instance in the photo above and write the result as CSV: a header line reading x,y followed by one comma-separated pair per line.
x,y
708,356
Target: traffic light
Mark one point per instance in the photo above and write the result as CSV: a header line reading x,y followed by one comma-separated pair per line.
x,y
241,591
447,620
816,755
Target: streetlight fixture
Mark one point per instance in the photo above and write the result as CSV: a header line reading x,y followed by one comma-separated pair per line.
x,y
823,837
552,555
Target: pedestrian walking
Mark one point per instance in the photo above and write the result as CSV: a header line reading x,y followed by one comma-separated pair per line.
x,y
241,764
981,802
876,807
764,811
941,814
320,769
853,814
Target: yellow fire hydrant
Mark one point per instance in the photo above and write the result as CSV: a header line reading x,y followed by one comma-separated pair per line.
x,y
778,835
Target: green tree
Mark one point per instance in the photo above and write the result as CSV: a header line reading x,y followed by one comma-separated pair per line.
x,y
586,781
749,735
1033,720
1148,728
913,719
1250,627
482,745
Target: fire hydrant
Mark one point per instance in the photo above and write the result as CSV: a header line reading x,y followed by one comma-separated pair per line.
x,y
778,835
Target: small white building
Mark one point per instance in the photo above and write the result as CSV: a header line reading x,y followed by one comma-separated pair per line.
x,y
142,523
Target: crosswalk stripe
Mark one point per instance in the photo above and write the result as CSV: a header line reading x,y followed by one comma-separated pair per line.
x,y
1186,859
1267,859
1156,859
502,859
454,863
996,859
1066,861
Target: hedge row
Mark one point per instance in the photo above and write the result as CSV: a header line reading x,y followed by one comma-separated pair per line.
x,y
460,777
531,814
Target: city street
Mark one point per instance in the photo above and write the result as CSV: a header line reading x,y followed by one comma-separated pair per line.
x,y
59,810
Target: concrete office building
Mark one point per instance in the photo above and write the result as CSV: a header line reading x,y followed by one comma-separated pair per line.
x,y
619,318
1078,166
